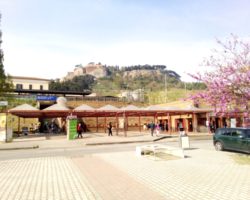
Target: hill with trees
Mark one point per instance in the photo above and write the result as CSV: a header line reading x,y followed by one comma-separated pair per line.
x,y
157,83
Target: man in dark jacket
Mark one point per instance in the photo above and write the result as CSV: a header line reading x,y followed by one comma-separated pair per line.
x,y
152,127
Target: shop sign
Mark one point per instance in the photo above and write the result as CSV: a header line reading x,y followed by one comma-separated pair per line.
x,y
46,98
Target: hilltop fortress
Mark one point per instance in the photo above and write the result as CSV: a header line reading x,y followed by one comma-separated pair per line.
x,y
96,70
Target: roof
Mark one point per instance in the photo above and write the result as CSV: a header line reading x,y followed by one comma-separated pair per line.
x,y
56,107
84,107
25,110
130,107
109,108
61,110
29,78
24,107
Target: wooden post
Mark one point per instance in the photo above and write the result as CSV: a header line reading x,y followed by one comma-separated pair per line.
x,y
169,124
140,123
105,122
18,126
195,123
97,124
124,126
117,125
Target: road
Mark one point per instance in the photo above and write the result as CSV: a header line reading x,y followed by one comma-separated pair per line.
x,y
77,151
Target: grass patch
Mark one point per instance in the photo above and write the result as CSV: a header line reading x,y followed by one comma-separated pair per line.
x,y
242,159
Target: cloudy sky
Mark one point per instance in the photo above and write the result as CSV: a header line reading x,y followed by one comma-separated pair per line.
x,y
47,38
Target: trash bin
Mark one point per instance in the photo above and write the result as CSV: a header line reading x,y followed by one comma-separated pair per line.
x,y
25,130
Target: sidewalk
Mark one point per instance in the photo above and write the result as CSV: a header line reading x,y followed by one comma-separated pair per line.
x,y
204,174
60,141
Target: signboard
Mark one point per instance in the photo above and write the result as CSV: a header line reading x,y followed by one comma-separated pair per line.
x,y
3,103
71,128
46,98
184,142
233,123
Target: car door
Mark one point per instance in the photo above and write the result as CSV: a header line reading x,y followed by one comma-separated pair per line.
x,y
246,146
235,141
225,138
239,141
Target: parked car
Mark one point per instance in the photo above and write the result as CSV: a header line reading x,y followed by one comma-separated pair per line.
x,y
237,139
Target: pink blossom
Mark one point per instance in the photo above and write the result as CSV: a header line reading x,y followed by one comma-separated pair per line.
x,y
228,85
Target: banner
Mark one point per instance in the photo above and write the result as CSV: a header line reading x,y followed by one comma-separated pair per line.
x,y
71,129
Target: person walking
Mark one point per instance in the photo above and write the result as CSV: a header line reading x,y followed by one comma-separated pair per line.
x,y
109,127
79,130
152,127
157,129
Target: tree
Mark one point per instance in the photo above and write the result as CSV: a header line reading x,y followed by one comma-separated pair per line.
x,y
5,81
228,78
78,83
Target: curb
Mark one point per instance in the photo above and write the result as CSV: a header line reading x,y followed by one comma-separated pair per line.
x,y
127,142
19,148
122,142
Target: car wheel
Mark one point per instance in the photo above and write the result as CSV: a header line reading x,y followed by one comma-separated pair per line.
x,y
219,146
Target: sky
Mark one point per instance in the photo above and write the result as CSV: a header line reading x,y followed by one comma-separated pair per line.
x,y
47,38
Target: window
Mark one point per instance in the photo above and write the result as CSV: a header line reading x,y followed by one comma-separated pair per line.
x,y
236,133
225,132
247,133
19,86
41,87
30,87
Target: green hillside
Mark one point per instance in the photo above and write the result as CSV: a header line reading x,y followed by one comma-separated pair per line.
x,y
155,83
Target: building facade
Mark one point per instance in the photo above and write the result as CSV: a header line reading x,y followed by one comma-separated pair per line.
x,y
30,83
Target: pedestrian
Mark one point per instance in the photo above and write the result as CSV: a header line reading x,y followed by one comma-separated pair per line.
x,y
79,130
152,128
181,129
180,126
109,127
157,129
208,126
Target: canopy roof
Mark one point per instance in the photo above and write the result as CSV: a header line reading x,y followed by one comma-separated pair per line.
x,y
25,110
108,108
131,107
84,107
60,110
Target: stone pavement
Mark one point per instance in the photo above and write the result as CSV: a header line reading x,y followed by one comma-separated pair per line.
x,y
43,178
203,175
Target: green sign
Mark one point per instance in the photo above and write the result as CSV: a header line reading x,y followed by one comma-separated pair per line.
x,y
72,133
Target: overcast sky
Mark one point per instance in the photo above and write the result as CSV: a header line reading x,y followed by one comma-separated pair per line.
x,y
47,38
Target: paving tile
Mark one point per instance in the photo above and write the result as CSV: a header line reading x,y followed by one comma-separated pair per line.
x,y
112,183
204,175
43,178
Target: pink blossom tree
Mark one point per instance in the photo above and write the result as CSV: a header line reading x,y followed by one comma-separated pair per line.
x,y
227,78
